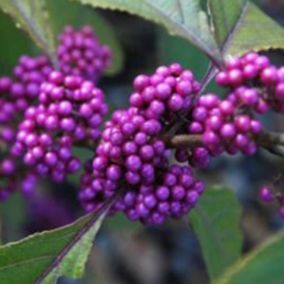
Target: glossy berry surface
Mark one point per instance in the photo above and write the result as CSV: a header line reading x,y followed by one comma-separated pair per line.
x,y
80,53
132,155
70,110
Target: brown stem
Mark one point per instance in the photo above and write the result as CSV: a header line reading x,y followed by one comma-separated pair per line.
x,y
266,139
270,139
184,141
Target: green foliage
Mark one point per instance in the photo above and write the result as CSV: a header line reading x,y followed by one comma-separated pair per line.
x,y
181,18
262,266
254,31
43,21
175,49
119,222
10,35
43,257
235,26
78,15
32,16
216,222
12,220
238,26
224,17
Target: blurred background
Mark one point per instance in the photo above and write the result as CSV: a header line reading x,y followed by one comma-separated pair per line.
x,y
127,252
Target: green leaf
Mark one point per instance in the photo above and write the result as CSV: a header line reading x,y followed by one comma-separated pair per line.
x,y
216,222
262,266
9,34
31,16
255,31
43,257
182,18
78,15
119,222
175,49
13,215
224,17
240,26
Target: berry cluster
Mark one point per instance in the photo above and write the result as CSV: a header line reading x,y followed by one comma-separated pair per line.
x,y
163,105
21,93
165,94
29,74
231,124
62,109
259,84
256,86
132,154
81,54
17,94
8,109
70,110
223,127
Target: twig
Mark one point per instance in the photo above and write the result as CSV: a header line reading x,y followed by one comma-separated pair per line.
x,y
269,139
185,141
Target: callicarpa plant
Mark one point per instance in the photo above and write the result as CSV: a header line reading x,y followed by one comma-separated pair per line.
x,y
147,159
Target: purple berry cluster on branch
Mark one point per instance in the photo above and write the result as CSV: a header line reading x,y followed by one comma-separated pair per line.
x,y
24,92
21,90
231,124
133,156
81,54
29,74
223,126
17,94
70,110
257,86
146,153
165,110
254,87
254,82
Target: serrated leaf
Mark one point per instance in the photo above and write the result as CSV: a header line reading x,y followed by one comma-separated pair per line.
x,y
43,257
240,26
255,31
182,18
78,15
262,266
224,17
216,222
31,16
